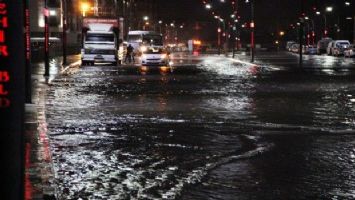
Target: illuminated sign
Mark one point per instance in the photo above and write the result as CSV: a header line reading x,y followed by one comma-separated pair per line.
x,y
87,21
12,96
4,54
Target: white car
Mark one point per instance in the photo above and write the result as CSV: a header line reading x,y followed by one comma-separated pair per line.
x,y
155,56
350,51
337,47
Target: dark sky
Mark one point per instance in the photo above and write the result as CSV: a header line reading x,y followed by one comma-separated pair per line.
x,y
266,11
270,15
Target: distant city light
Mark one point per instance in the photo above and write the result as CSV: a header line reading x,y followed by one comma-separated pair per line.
x,y
208,6
329,9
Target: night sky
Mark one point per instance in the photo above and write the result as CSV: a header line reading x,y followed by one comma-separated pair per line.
x,y
271,16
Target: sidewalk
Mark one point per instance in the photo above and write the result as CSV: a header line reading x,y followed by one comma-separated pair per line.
x,y
39,176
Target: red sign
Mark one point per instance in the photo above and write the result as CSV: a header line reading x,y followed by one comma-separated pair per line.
x,y
12,96
4,74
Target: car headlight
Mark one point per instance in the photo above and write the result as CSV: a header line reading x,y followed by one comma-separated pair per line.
x,y
163,56
144,48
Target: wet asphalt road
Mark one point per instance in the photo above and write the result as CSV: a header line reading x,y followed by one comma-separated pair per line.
x,y
209,127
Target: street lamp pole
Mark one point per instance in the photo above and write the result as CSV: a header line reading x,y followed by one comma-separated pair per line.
x,y
64,19
327,9
252,26
301,34
325,26
219,40
46,40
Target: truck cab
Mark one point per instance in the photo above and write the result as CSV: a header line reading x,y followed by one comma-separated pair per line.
x,y
100,43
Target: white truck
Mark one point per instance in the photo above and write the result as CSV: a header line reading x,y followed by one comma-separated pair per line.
x,y
100,43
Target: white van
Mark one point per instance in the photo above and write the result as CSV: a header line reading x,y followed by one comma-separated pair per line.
x,y
337,47
141,40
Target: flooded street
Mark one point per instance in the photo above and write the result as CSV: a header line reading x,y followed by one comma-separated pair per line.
x,y
208,127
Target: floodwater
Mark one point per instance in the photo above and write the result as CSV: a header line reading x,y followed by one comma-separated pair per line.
x,y
208,127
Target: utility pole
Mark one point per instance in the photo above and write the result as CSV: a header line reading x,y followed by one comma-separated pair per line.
x,y
252,27
301,35
64,19
46,40
219,40
234,31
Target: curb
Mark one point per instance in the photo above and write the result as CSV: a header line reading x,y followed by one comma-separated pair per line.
x,y
39,177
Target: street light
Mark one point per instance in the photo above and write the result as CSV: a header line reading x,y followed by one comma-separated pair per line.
x,y
160,23
219,40
252,29
328,10
145,21
84,8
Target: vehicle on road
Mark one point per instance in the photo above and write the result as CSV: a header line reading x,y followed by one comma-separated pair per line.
x,y
323,44
310,49
155,56
141,40
289,44
350,51
337,47
295,48
100,41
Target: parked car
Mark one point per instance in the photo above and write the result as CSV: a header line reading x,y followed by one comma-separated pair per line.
x,y
337,47
289,44
350,51
295,48
309,49
322,45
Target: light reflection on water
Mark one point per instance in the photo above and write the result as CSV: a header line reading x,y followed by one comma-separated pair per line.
x,y
224,130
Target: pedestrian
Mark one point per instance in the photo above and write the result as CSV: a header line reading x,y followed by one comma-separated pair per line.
x,y
129,54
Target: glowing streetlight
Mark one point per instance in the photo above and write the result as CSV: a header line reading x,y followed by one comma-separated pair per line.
x,y
208,6
84,8
329,9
